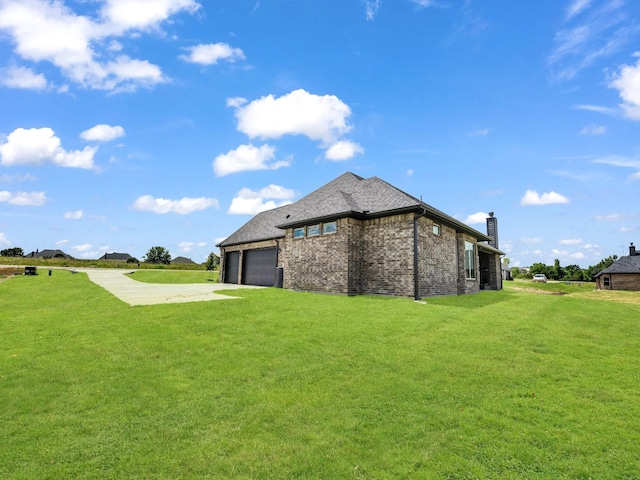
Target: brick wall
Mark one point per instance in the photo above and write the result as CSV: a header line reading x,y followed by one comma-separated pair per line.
x,y
375,256
438,260
387,255
318,264
619,281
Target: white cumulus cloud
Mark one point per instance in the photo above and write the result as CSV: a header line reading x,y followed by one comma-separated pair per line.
x,y
81,46
30,199
627,82
246,158
123,15
185,246
103,133
531,197
475,218
530,240
85,247
186,205
318,117
343,150
212,53
37,146
570,241
76,215
250,202
4,240
22,77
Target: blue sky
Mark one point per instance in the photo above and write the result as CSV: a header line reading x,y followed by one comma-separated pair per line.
x,y
126,124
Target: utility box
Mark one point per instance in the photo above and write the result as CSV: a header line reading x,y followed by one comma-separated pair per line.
x,y
30,271
279,277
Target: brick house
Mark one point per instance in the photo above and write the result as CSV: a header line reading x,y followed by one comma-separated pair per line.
x,y
623,274
362,236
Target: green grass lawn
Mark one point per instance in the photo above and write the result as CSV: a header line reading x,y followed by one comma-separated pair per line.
x,y
278,384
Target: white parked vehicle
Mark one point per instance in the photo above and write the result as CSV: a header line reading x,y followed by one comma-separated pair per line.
x,y
540,277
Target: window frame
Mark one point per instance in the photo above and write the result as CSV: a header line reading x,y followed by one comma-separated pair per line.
x,y
312,228
606,281
470,260
438,227
335,228
304,233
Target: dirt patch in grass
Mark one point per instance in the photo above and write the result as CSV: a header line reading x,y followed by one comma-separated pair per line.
x,y
536,290
7,272
621,296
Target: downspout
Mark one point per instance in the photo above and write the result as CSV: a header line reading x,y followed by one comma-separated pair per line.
x,y
416,295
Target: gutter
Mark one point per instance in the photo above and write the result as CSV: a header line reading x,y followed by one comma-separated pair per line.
x,y
416,295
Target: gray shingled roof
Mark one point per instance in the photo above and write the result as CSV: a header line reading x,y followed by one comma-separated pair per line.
x,y
347,195
626,264
115,256
183,261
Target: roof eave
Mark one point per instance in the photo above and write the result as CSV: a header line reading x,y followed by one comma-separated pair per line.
x,y
231,244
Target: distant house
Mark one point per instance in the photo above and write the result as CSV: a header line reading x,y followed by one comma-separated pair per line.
x,y
48,254
362,236
623,274
506,273
116,256
182,261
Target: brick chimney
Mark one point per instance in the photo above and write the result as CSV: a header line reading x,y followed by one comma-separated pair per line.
x,y
492,230
632,250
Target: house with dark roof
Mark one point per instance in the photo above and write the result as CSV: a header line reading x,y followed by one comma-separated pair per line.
x,y
182,261
623,274
115,256
359,235
47,253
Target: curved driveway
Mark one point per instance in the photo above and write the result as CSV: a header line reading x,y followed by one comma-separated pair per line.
x,y
139,293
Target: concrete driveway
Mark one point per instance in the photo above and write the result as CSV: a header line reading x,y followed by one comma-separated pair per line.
x,y
132,292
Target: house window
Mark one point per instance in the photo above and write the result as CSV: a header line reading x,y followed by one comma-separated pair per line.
x,y
298,232
313,230
469,260
606,281
330,227
436,229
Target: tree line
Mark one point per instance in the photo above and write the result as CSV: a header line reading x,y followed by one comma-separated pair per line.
x,y
570,273
155,255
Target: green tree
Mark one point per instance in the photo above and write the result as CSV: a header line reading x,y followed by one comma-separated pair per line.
x,y
556,272
212,262
593,270
573,273
12,252
539,268
158,255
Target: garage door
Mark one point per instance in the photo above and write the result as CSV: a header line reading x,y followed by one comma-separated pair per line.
x,y
231,262
259,267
